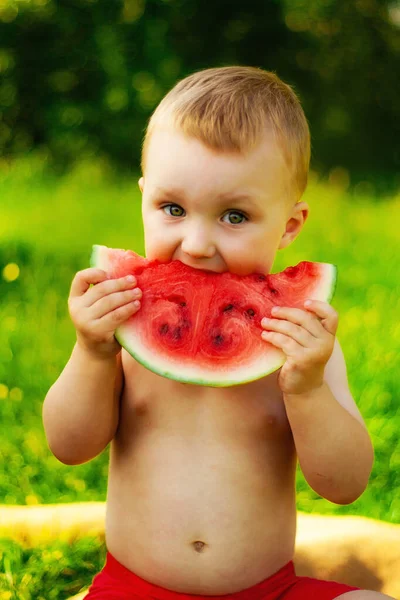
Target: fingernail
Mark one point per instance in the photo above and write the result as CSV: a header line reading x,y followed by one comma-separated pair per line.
x,y
307,303
130,278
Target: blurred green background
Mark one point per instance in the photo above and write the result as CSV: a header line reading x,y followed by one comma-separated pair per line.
x,y
79,79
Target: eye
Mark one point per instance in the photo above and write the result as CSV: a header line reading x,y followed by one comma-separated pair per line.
x,y
173,210
235,217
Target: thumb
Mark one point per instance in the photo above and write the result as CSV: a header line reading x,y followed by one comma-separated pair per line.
x,y
84,279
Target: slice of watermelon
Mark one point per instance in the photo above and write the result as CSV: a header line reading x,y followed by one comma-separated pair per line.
x,y
204,328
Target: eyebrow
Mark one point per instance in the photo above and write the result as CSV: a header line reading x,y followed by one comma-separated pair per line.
x,y
224,198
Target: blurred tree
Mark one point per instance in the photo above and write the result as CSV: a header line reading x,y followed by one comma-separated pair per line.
x,y
351,51
81,77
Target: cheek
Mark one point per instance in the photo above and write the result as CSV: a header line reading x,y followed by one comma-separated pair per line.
x,y
157,240
251,255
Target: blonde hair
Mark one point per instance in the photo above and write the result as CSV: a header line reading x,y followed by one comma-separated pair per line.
x,y
230,108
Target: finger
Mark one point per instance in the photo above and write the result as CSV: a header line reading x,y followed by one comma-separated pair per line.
x,y
116,317
296,332
111,302
84,279
303,318
328,316
285,343
107,287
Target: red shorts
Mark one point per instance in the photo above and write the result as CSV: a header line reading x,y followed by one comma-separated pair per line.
x,y
116,582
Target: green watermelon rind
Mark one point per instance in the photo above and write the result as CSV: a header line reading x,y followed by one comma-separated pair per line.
x,y
194,378
98,258
331,281
245,374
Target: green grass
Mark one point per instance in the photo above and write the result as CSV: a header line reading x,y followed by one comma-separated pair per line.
x,y
47,228
48,572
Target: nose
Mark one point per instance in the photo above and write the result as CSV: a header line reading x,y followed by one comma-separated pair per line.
x,y
197,243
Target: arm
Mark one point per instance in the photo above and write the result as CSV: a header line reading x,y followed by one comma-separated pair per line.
x,y
81,409
332,443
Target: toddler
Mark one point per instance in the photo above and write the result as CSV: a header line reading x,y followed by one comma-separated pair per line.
x,y
201,490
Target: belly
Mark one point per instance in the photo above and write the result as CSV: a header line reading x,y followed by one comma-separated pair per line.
x,y
205,518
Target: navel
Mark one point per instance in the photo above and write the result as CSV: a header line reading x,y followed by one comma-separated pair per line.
x,y
199,546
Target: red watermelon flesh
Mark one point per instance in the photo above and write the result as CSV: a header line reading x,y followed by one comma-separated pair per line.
x,y
201,327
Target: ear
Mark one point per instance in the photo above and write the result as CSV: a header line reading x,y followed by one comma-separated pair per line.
x,y
141,184
294,223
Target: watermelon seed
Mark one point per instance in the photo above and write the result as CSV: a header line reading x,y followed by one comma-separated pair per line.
x,y
250,312
261,278
164,329
227,308
218,340
272,290
177,300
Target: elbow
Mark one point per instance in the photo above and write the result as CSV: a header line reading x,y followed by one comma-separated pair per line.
x,y
72,444
69,459
64,455
74,457
340,494
344,499
72,454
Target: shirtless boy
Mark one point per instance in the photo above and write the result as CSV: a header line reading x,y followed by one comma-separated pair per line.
x,y
201,491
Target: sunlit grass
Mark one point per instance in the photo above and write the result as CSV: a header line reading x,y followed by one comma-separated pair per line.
x,y
47,228
52,572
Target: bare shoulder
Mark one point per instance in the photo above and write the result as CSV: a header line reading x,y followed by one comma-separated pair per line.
x,y
336,378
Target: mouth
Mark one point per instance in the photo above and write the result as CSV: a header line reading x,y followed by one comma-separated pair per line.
x,y
199,267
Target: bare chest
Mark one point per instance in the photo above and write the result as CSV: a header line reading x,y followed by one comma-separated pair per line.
x,y
244,413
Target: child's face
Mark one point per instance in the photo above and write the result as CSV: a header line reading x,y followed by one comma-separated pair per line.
x,y
217,210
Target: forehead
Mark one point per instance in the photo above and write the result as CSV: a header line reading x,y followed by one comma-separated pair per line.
x,y
176,161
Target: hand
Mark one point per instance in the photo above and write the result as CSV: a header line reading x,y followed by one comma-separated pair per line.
x,y
307,338
97,311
